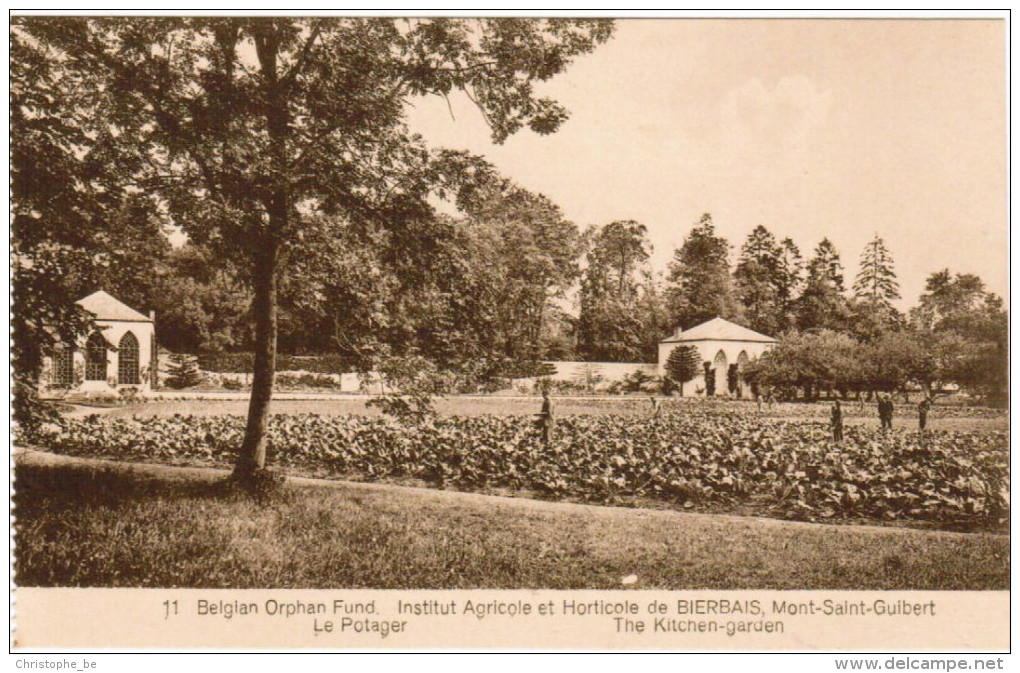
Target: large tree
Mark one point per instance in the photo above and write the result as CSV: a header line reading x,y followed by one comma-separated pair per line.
x,y
75,227
700,285
822,304
538,251
953,303
767,276
621,314
957,310
791,274
872,312
876,285
244,126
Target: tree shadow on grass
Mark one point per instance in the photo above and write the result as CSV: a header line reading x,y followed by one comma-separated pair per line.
x,y
113,487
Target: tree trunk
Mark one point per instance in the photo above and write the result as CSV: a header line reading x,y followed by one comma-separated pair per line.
x,y
252,456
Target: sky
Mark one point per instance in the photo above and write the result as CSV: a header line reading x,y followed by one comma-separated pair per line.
x,y
812,128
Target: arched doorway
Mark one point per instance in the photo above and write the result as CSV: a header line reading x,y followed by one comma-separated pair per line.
x,y
95,358
720,367
743,390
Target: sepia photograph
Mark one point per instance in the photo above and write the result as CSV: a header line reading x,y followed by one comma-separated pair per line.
x,y
587,309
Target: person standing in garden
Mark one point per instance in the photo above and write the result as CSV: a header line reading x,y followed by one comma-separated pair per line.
x,y
836,417
656,407
885,410
547,419
922,413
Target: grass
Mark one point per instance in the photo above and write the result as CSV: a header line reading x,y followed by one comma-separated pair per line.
x,y
88,523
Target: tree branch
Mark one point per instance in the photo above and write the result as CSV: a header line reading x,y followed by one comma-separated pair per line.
x,y
299,64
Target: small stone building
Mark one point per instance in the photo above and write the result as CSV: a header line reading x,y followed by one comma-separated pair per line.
x,y
115,357
724,347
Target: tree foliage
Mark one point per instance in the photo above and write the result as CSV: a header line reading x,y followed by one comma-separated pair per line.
x,y
538,252
75,227
683,365
201,303
767,276
700,286
810,361
959,311
245,126
875,284
621,312
822,304
182,371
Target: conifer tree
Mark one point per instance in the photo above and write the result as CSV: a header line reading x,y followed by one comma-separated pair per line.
x,y
700,285
875,288
759,279
876,280
822,304
682,365
182,371
791,267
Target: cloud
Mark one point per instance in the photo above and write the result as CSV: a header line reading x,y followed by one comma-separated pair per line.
x,y
771,128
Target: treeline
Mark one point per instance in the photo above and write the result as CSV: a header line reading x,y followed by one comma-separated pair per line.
x,y
510,281
372,270
482,291
831,339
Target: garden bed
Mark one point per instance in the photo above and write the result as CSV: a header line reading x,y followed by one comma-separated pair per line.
x,y
708,461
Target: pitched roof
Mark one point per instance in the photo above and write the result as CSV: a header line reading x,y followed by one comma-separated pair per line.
x,y
107,307
718,329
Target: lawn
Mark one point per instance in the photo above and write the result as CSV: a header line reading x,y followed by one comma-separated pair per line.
x,y
89,523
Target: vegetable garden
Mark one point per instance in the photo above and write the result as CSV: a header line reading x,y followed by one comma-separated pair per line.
x,y
714,461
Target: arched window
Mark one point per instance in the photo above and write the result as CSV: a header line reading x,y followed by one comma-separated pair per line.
x,y
95,358
63,365
742,360
127,360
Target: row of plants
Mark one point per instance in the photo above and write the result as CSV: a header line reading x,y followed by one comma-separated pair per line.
x,y
789,470
184,371
638,404
245,362
283,381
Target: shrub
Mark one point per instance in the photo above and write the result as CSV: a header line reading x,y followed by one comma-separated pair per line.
x,y
183,371
245,363
640,382
305,380
232,384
